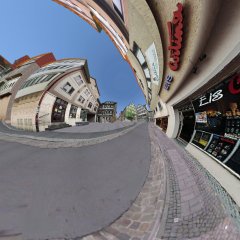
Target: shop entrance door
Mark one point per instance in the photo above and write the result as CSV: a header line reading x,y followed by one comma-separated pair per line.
x,y
162,123
59,109
187,125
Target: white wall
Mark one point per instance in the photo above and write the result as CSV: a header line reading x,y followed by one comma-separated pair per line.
x,y
45,111
173,122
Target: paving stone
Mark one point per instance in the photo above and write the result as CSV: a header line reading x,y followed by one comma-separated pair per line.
x,y
192,198
135,225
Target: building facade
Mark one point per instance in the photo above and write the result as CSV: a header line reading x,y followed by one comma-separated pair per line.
x,y
107,112
186,58
55,95
16,75
142,112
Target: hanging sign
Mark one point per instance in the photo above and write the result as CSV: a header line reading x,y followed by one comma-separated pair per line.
x,y
175,37
152,58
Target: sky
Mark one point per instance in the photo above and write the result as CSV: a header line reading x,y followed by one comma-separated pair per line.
x,y
33,27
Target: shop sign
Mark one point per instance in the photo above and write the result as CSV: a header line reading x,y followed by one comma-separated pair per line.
x,y
152,58
168,82
175,31
212,97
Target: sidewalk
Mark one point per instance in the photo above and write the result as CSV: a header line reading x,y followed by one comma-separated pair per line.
x,y
179,200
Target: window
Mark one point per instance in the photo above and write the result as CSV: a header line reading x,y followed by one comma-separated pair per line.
x,y
86,92
147,72
73,111
159,106
140,56
81,99
117,4
68,88
37,80
78,80
90,105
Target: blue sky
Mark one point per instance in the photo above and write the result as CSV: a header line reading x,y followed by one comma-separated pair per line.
x,y
32,27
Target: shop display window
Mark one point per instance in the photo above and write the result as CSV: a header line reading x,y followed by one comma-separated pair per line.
x,y
201,139
234,161
220,147
217,113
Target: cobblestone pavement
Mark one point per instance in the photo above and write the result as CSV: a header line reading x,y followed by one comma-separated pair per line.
x,y
179,200
96,127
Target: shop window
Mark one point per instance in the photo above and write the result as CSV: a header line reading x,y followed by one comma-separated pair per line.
x,y
73,111
217,113
68,88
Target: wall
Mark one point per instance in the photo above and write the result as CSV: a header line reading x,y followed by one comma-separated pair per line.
x,y
4,106
45,111
144,31
24,112
222,47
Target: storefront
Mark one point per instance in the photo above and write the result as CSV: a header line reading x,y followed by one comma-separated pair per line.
x,y
59,109
162,123
217,128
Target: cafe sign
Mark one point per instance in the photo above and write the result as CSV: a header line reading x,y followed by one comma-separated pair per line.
x,y
175,31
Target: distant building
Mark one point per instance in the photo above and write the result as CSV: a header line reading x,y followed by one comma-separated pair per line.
x,y
13,76
107,112
55,95
131,112
142,112
122,115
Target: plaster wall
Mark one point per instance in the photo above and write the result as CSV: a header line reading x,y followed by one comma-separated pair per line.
x,y
144,31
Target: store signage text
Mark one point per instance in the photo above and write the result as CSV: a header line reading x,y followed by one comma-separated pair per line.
x,y
168,82
211,98
175,37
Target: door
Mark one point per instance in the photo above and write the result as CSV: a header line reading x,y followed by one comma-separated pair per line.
x,y
59,109
187,124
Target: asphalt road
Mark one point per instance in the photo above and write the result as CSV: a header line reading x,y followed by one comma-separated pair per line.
x,y
70,192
